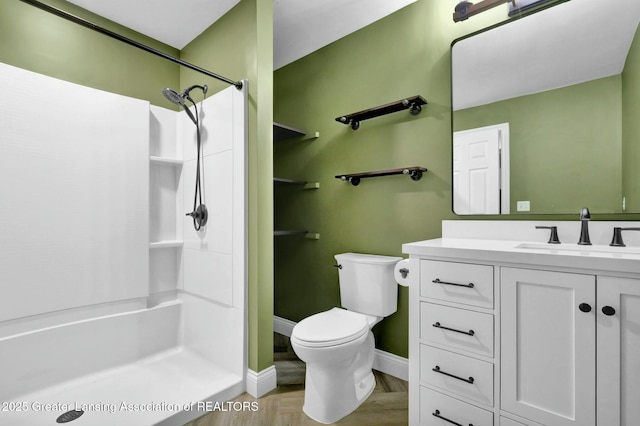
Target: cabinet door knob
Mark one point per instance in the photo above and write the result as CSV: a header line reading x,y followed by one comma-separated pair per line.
x,y
584,307
608,310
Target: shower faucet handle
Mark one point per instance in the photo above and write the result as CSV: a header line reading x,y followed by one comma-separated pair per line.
x,y
553,237
200,216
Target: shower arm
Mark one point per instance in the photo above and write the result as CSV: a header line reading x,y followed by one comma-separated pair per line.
x,y
104,31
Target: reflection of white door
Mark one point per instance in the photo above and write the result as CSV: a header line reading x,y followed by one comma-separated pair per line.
x,y
481,170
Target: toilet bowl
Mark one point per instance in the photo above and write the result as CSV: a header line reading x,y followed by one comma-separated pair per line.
x,y
337,347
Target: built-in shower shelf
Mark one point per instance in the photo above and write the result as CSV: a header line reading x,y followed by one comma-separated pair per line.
x,y
165,161
165,244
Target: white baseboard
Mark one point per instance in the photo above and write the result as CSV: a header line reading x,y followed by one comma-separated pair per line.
x,y
391,364
283,326
261,383
385,362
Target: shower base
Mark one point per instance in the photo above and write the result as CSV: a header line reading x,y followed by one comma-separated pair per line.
x,y
125,369
154,391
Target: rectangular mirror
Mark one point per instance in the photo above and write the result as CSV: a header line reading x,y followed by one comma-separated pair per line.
x,y
546,112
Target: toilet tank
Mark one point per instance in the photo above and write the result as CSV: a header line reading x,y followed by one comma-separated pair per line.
x,y
367,284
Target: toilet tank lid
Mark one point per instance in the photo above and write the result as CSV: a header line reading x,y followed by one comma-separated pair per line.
x,y
331,327
367,258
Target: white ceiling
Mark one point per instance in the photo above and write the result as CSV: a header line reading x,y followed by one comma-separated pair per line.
x,y
304,26
570,43
300,26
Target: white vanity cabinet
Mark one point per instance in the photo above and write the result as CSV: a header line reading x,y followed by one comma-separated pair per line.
x,y
547,327
618,351
536,340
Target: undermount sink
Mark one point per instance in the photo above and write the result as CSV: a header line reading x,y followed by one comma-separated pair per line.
x,y
578,249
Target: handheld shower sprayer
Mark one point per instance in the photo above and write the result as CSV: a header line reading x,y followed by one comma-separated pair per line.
x,y
199,214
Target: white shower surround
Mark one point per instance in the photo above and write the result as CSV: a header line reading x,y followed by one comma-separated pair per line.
x,y
88,313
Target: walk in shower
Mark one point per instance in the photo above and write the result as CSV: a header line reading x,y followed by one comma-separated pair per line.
x,y
113,308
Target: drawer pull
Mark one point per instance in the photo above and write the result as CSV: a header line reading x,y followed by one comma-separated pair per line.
x,y
437,281
468,333
437,370
437,414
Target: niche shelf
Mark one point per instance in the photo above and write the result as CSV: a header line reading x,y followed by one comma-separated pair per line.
x,y
413,104
307,234
164,161
415,173
166,174
165,244
303,183
282,132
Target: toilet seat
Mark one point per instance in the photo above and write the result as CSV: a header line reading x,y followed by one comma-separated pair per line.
x,y
330,328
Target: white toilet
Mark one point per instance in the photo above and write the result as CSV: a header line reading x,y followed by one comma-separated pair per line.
x,y
337,345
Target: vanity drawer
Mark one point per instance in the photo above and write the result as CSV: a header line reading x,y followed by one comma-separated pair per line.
x,y
452,409
457,282
458,328
458,374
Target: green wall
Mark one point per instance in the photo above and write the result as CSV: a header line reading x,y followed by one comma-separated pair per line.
x,y
631,126
402,55
574,134
38,41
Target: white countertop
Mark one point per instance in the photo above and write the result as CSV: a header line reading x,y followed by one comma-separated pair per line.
x,y
597,257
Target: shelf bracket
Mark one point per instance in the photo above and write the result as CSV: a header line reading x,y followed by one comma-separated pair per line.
x,y
415,173
413,104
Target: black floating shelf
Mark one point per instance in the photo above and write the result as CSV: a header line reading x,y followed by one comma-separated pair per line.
x,y
415,173
413,104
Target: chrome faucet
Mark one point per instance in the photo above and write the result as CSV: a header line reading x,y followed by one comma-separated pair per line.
x,y
585,216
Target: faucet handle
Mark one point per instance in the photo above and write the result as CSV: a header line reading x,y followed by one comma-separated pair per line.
x,y
553,237
617,236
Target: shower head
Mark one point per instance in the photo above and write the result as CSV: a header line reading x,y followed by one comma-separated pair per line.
x,y
173,96
180,98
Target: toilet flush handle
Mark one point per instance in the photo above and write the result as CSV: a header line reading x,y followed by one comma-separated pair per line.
x,y
404,272
338,266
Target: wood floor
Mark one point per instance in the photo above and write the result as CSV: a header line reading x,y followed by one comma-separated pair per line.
x,y
387,405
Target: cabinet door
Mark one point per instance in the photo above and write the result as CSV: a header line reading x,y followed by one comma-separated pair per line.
x,y
618,351
548,346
